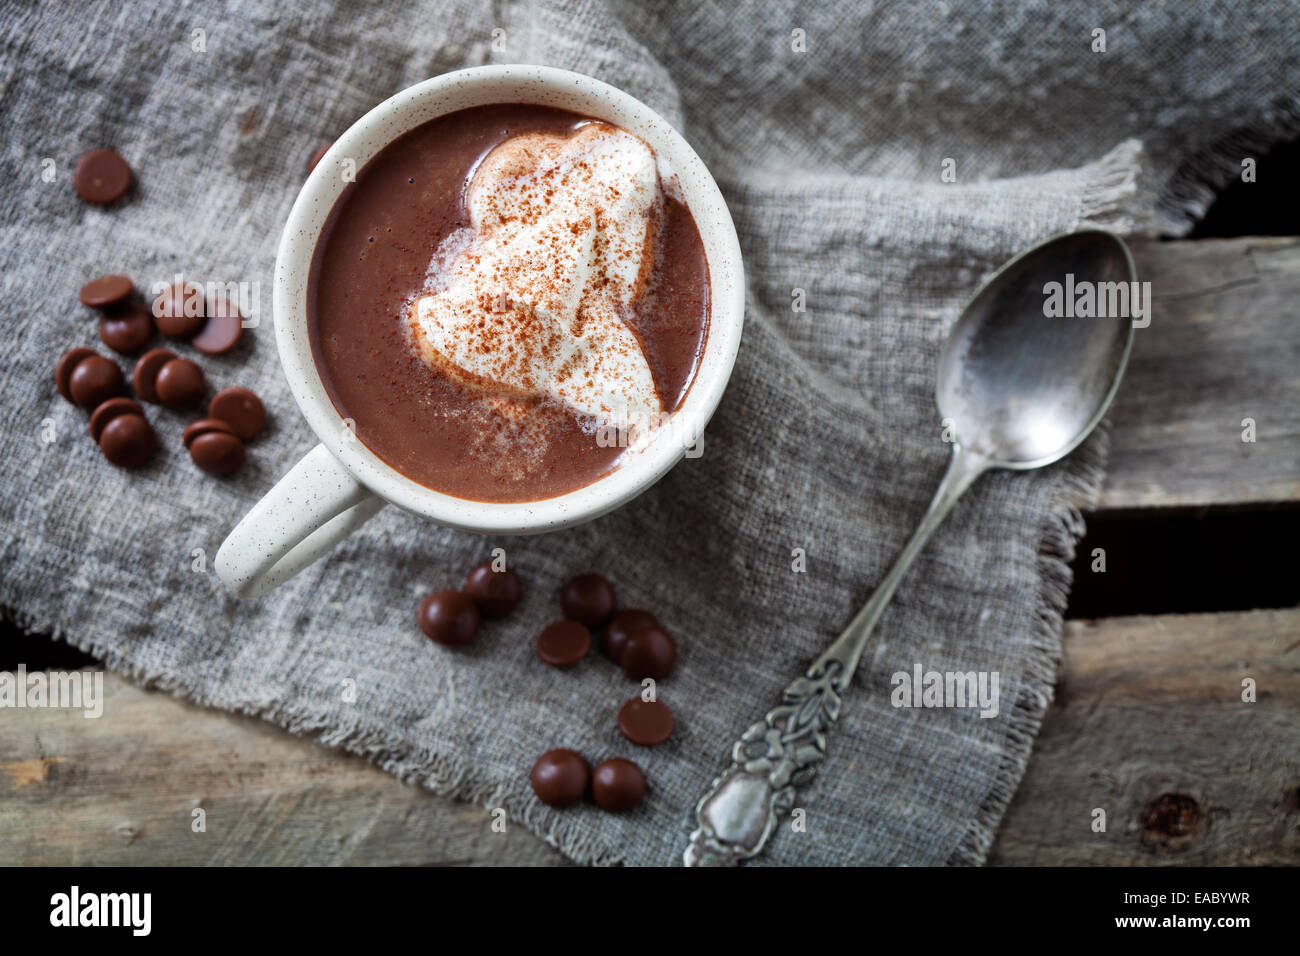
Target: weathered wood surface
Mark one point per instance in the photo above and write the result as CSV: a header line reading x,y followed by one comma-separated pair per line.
x,y
1223,346
1151,707
121,790
1146,707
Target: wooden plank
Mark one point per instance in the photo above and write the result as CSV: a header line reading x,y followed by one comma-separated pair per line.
x,y
1151,708
121,790
1145,707
1223,346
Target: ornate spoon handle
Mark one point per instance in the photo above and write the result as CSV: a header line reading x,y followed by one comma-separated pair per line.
x,y
742,807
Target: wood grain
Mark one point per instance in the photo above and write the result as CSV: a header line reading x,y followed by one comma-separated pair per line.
x,y
121,790
1151,707
1223,346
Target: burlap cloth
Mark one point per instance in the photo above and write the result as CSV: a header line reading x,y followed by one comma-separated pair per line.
x,y
830,145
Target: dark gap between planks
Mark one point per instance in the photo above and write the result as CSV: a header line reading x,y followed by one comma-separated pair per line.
x,y
1184,561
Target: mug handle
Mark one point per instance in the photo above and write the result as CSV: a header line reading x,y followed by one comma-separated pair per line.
x,y
311,509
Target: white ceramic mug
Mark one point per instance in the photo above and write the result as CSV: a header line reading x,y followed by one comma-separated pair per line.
x,y
342,483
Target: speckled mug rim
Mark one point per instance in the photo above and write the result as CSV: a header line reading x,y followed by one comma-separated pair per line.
x,y
426,101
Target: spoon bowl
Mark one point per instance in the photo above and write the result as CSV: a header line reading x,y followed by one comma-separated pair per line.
x,y
1024,388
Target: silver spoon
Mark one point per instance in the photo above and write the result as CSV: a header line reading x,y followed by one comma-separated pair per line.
x,y
1022,390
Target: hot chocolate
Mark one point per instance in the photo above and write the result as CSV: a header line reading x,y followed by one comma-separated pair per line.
x,y
497,290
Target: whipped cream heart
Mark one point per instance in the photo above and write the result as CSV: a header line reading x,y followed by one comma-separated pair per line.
x,y
529,300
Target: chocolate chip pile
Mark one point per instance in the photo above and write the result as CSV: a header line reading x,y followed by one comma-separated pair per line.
x,y
633,639
453,617
562,777
117,423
